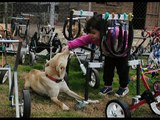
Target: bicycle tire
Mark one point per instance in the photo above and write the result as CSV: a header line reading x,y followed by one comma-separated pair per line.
x,y
65,27
117,105
95,79
25,108
22,57
156,86
155,106
32,58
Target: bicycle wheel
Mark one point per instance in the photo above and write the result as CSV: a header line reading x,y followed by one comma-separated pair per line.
x,y
156,86
32,58
4,74
22,57
117,108
75,32
25,106
155,106
95,80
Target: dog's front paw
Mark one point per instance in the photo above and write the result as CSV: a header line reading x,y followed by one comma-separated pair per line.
x,y
65,107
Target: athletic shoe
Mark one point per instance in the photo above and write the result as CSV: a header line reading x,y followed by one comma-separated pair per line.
x,y
122,92
106,90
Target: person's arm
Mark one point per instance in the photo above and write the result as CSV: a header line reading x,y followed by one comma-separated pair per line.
x,y
80,41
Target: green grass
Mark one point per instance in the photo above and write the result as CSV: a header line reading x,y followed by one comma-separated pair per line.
x,y
43,107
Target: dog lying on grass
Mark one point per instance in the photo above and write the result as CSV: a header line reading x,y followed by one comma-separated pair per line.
x,y
51,81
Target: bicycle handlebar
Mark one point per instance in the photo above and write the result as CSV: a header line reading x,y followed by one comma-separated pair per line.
x,y
78,18
153,33
10,41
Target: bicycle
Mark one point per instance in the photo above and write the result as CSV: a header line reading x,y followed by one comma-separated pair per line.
x,y
140,50
95,79
74,28
20,28
151,36
4,64
22,104
4,35
118,108
37,45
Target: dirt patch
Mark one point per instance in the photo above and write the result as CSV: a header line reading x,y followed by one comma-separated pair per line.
x,y
46,108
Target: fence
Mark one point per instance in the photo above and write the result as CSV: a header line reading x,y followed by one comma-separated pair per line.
x,y
146,14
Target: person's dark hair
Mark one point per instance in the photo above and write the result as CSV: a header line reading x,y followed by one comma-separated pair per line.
x,y
96,22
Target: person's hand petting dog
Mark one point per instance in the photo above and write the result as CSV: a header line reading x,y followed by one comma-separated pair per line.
x,y
66,47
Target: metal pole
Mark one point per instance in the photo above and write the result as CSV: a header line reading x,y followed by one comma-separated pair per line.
x,y
52,13
138,79
6,15
88,78
16,94
90,6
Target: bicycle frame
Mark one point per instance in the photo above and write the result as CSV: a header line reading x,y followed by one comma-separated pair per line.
x,y
13,80
53,44
152,36
147,96
18,25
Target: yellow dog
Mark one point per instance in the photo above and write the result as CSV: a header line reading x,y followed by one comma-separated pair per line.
x,y
50,82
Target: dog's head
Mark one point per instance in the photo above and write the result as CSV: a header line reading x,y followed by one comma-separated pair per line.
x,y
56,66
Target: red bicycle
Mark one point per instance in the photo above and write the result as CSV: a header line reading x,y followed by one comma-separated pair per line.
x,y
154,35
118,108
151,37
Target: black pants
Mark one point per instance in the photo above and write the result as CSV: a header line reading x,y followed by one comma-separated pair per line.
x,y
121,64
